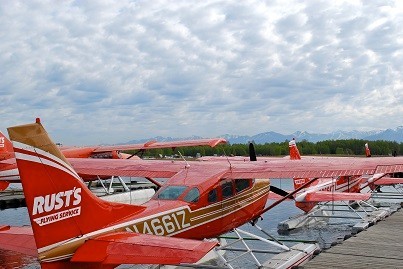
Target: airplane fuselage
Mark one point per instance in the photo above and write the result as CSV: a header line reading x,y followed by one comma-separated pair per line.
x,y
180,219
341,184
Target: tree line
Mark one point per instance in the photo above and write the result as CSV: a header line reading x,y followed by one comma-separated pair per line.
x,y
348,147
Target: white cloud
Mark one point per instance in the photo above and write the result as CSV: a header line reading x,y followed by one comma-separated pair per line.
x,y
107,72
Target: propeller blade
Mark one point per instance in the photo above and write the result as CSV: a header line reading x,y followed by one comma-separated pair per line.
x,y
252,153
280,192
135,154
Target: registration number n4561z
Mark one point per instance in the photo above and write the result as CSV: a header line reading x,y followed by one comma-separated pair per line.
x,y
164,224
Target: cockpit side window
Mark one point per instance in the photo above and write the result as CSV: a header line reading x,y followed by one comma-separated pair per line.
x,y
227,189
171,192
192,196
241,184
212,196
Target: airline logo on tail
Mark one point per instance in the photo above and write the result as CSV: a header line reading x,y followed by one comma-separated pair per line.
x,y
55,201
2,142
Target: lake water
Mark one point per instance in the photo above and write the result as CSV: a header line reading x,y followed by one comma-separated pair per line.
x,y
323,234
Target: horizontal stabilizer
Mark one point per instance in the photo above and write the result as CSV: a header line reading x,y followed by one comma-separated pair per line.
x,y
133,248
325,196
19,239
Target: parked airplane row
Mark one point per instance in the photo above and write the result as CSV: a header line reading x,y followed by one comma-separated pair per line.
x,y
72,228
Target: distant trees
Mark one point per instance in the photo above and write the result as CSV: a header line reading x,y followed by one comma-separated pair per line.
x,y
329,147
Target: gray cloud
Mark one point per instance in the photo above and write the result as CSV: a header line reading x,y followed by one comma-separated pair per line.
x,y
107,72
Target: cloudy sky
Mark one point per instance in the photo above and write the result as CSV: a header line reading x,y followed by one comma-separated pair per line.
x,y
111,71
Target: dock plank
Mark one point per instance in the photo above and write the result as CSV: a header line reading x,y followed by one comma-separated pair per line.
x,y
380,246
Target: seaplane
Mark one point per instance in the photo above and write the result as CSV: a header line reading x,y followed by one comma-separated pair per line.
x,y
341,188
9,172
72,228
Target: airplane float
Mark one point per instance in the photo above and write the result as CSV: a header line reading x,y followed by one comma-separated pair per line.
x,y
72,228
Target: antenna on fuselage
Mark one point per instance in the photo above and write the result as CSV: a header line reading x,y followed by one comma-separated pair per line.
x,y
187,164
226,156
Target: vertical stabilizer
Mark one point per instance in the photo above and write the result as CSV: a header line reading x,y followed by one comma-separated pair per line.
x,y
294,152
367,151
60,206
6,148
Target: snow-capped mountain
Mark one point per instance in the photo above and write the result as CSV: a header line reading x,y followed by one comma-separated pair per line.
x,y
267,137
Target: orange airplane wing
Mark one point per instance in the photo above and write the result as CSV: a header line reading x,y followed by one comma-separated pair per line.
x,y
134,248
128,168
325,196
316,168
157,145
19,239
281,168
113,151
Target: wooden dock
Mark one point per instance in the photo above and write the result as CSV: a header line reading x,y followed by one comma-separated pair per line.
x,y
380,246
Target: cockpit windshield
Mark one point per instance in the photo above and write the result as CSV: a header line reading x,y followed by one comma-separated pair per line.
x,y
171,192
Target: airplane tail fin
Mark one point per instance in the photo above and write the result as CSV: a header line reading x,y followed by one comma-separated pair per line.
x,y
6,147
298,182
367,151
294,152
60,206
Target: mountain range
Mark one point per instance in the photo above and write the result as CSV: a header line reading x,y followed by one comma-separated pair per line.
x,y
267,137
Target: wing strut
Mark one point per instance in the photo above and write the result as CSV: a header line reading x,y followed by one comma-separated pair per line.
x,y
252,153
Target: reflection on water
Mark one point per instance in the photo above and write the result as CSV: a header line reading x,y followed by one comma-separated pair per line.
x,y
323,234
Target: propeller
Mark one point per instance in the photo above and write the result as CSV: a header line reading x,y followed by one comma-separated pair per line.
x,y
137,152
278,191
252,153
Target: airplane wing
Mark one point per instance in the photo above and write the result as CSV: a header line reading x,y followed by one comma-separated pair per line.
x,y
19,239
316,168
114,150
133,248
281,168
87,168
325,196
157,145
127,168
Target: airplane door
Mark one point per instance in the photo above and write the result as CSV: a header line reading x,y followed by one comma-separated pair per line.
x,y
227,203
